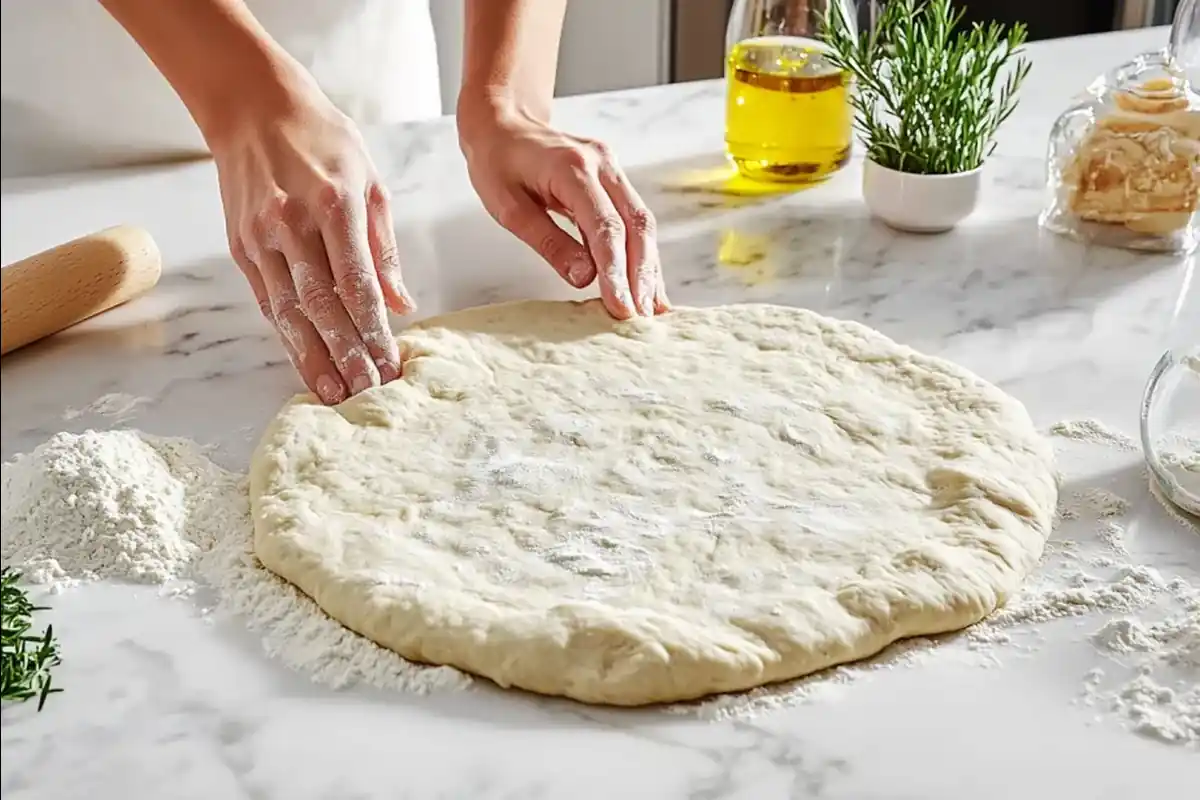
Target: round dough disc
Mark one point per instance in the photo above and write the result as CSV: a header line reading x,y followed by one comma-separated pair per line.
x,y
654,510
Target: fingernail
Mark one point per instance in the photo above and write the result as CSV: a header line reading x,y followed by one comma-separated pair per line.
x,y
387,370
646,293
578,273
329,389
361,384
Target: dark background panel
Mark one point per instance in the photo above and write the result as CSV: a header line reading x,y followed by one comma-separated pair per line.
x,y
1047,19
698,26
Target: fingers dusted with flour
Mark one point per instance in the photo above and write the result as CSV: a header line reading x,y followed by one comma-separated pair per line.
x,y
356,282
292,201
307,218
304,344
641,240
523,168
586,202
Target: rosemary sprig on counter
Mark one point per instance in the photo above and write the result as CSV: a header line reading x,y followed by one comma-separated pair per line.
x,y
27,657
929,98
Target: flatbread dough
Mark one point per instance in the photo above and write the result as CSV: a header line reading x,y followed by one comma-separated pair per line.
x,y
654,510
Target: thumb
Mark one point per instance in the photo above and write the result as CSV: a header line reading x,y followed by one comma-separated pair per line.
x,y
530,223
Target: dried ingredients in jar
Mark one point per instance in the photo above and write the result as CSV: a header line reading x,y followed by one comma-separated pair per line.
x,y
1123,167
1140,165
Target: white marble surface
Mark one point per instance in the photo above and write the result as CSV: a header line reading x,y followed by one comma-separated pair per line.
x,y
162,705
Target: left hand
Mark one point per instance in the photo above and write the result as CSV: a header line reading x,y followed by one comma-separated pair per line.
x,y
522,169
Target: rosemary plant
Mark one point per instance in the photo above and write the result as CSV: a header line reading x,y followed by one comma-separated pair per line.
x,y
929,97
27,658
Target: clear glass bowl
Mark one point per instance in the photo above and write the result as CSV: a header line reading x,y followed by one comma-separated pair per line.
x,y
1170,427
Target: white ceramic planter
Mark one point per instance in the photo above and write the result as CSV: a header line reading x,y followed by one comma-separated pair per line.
x,y
920,203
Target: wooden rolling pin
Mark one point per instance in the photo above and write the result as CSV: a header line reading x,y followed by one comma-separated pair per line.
x,y
51,291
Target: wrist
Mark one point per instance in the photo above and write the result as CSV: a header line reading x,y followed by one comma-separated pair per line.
x,y
481,110
268,85
490,101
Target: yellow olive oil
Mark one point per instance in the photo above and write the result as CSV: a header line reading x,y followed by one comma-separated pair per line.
x,y
787,116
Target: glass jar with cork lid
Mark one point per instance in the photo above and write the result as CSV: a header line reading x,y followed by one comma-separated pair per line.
x,y
787,116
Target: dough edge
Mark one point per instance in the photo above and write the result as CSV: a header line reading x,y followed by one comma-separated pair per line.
x,y
652,668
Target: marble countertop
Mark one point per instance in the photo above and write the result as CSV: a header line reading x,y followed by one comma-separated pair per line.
x,y
163,705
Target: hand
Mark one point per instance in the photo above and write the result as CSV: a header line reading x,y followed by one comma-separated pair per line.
x,y
522,169
310,226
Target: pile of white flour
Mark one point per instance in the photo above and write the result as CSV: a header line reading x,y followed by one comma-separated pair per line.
x,y
113,505
127,506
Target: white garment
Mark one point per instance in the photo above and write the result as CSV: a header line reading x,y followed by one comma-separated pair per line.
x,y
79,93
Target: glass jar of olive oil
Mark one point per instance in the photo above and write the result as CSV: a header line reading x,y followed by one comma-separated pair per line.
x,y
787,115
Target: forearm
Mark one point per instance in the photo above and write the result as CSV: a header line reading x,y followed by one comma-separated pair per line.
x,y
215,55
510,54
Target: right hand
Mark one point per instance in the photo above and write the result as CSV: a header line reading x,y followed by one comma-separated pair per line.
x,y
522,169
309,224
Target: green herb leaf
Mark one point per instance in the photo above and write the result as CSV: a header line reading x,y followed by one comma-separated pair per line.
x,y
929,97
27,657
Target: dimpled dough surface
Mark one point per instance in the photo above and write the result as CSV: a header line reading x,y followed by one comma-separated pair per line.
x,y
655,510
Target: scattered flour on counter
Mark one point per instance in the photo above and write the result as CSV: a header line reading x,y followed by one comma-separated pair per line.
x,y
1158,711
1155,687
131,507
822,686
1128,588
127,506
1161,699
1106,506
1104,503
297,632
1093,431
1113,535
1124,636
117,405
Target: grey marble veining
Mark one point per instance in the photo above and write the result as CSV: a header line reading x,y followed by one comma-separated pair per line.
x,y
163,704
